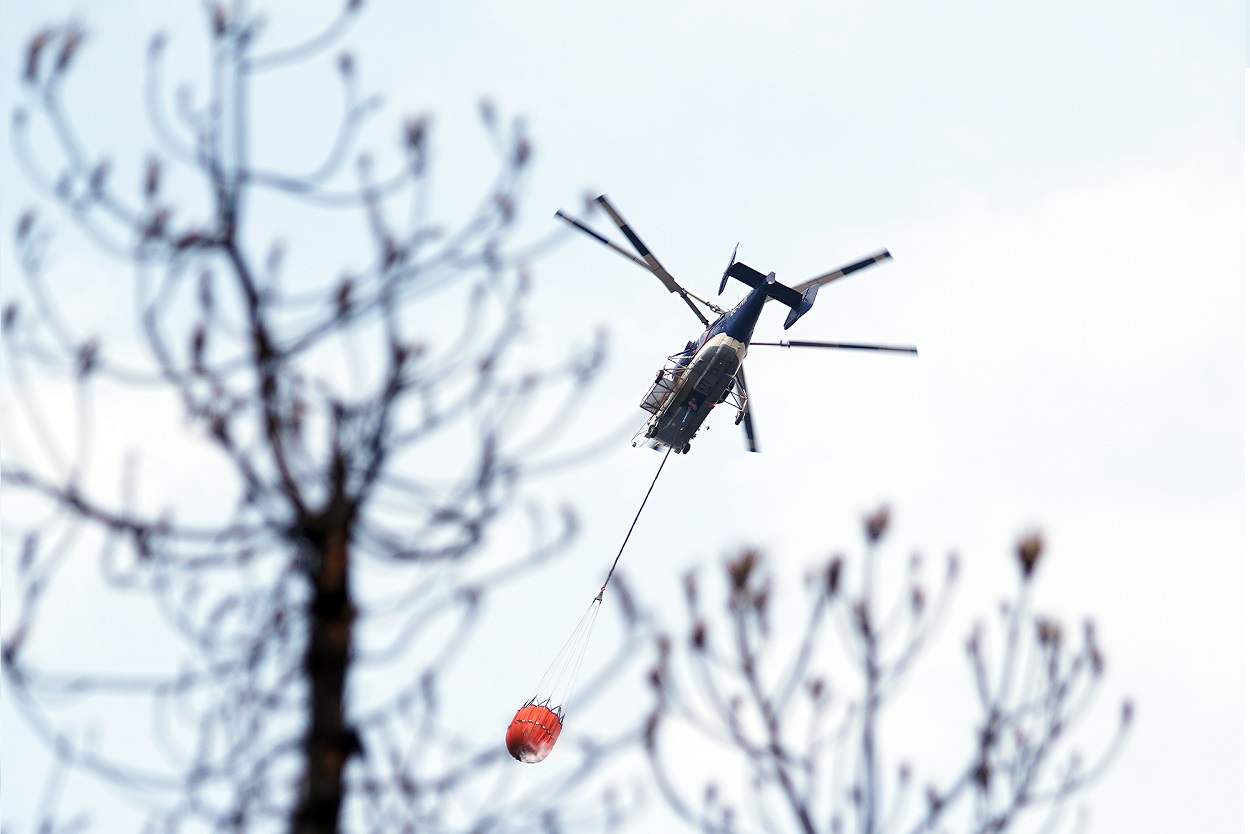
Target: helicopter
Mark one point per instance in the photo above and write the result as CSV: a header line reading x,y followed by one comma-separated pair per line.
x,y
709,370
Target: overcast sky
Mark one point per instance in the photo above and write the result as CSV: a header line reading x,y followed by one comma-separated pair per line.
x,y
1061,185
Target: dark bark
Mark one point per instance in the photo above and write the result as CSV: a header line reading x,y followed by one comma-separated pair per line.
x,y
329,741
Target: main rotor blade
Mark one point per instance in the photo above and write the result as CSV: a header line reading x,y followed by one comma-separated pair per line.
x,y
843,271
652,264
842,345
747,424
577,224
580,226
657,269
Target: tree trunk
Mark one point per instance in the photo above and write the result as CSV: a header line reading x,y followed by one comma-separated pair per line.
x,y
329,741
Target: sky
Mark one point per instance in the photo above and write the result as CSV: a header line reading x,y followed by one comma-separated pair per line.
x,y
1061,186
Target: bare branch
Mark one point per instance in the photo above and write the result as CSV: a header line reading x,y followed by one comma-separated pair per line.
x,y
330,482
792,750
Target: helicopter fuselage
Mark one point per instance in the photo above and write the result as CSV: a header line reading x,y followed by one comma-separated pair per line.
x,y
709,371
694,381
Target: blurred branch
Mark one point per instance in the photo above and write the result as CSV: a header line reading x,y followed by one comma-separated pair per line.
x,y
399,468
790,750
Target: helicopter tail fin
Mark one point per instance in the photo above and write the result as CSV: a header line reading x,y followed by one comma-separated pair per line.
x,y
805,303
798,302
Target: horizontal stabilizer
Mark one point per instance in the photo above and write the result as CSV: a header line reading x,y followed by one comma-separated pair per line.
x,y
788,297
746,275
753,278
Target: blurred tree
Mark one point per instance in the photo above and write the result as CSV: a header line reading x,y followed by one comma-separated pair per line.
x,y
375,426
806,722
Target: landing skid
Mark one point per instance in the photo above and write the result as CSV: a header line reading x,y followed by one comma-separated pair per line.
x,y
736,396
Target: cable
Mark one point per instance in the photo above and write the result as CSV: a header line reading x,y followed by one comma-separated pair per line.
x,y
563,672
631,526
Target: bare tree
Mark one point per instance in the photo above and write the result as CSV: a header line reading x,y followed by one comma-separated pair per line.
x,y
802,709
377,423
